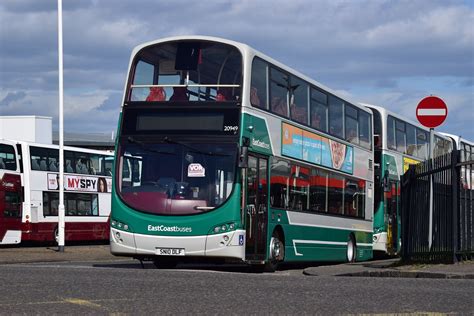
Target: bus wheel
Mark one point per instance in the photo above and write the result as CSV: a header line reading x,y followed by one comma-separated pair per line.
x,y
351,249
56,235
165,263
277,252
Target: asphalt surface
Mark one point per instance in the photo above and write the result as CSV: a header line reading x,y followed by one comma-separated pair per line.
x,y
87,279
125,288
380,268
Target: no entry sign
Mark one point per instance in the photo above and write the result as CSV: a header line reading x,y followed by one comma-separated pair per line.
x,y
431,112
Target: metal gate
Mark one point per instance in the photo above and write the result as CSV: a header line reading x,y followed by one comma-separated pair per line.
x,y
444,234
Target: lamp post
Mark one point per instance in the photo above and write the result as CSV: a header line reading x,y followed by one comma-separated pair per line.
x,y
61,213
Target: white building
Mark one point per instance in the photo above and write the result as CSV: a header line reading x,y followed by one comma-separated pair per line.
x,y
37,129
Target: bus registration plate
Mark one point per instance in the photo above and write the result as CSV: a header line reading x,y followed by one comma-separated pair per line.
x,y
170,251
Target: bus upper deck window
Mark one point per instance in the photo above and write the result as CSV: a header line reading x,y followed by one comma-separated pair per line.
x,y
187,56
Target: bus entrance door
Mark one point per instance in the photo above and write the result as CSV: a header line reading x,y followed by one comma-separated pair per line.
x,y
393,218
10,209
256,209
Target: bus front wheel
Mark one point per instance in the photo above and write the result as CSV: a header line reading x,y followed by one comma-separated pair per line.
x,y
351,249
277,252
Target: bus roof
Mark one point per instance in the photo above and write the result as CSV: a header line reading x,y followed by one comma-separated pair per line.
x,y
458,139
70,148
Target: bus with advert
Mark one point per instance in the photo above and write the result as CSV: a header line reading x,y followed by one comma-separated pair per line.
x,y
398,143
223,152
29,192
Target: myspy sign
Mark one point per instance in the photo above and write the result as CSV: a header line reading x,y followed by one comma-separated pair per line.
x,y
73,183
431,112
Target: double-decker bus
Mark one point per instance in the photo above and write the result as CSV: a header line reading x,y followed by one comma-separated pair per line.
x,y
29,192
224,152
467,154
398,143
10,194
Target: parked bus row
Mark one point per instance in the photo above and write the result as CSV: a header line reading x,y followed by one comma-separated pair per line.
x,y
223,152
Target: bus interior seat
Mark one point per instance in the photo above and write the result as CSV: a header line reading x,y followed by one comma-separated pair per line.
x,y
167,184
43,165
156,94
81,168
34,164
92,170
179,94
52,166
254,99
68,166
223,94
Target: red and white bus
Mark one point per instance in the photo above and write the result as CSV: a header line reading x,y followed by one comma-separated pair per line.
x,y
29,192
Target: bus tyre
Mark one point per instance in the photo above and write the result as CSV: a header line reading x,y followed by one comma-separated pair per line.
x,y
165,263
56,235
277,252
351,249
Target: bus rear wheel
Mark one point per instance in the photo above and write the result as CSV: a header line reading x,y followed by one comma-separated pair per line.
x,y
56,235
277,252
351,249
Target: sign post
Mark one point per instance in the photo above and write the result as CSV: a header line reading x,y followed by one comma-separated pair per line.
x,y
431,112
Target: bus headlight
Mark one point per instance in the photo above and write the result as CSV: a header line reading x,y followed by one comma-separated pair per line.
x,y
119,225
222,228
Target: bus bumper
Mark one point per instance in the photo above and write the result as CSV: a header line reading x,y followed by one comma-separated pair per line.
x,y
380,242
11,237
225,245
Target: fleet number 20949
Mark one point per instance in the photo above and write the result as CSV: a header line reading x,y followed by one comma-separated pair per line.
x,y
229,128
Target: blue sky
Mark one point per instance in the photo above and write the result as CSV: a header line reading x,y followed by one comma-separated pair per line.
x,y
389,53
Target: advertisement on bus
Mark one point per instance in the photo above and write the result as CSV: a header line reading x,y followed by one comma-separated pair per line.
x,y
310,147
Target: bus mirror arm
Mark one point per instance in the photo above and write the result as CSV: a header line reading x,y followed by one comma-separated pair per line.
x,y
244,157
386,182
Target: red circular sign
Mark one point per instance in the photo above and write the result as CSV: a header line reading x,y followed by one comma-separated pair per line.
x,y
431,112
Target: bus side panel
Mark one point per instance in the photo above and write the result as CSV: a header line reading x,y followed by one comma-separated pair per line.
x,y
75,231
306,238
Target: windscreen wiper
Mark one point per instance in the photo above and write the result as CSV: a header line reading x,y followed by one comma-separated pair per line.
x,y
147,147
168,140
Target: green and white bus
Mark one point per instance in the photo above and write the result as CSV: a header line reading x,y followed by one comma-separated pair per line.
x,y
223,152
398,143
467,154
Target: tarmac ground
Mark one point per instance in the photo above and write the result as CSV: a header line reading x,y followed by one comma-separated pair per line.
x,y
377,268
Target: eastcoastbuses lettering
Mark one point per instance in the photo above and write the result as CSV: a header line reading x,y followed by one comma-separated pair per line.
x,y
163,228
259,143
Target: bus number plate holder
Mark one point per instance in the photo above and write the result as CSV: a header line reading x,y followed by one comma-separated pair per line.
x,y
170,251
